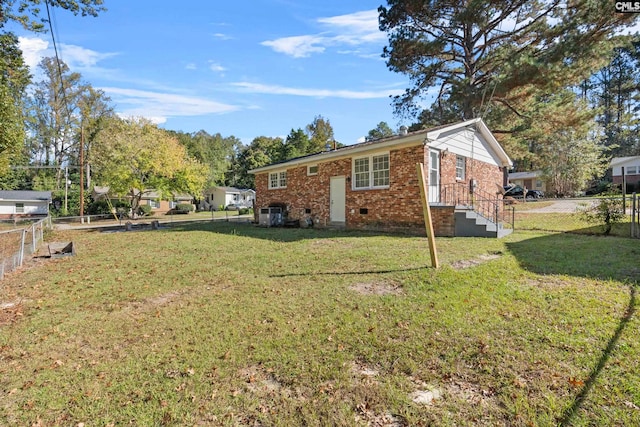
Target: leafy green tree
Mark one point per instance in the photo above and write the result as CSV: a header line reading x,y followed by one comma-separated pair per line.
x,y
382,130
14,79
473,55
615,91
214,151
566,144
296,144
262,151
29,13
320,134
53,113
133,156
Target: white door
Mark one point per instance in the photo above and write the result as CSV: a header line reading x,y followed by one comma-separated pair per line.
x,y
337,199
434,176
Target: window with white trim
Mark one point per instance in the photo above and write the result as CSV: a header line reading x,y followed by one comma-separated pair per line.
x,y
19,207
155,204
461,164
312,170
278,179
631,170
371,172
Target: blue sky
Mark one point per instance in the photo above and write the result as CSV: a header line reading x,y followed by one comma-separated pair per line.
x,y
241,68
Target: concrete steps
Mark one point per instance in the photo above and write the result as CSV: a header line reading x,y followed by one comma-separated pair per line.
x,y
469,223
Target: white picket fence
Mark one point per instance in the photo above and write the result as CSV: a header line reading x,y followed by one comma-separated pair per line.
x,y
17,243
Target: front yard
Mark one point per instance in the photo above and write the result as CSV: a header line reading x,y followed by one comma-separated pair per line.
x,y
227,324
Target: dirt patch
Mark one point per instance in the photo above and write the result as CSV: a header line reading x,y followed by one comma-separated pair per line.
x,y
10,312
259,380
154,302
362,369
468,263
377,288
469,392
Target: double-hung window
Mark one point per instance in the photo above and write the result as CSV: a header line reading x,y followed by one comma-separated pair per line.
x,y
371,172
631,170
460,168
278,179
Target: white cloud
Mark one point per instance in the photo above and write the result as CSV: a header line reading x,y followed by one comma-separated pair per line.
x,y
222,36
33,50
191,66
364,23
214,66
354,29
297,46
76,57
158,106
316,93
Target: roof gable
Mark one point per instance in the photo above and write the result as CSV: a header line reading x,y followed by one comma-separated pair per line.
x,y
25,196
434,136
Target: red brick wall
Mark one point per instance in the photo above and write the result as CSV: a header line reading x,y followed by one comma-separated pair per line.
x,y
398,207
630,179
488,177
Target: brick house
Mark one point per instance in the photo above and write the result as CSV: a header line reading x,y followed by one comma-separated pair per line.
x,y
626,170
374,185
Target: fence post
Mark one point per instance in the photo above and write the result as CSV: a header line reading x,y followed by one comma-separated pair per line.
x,y
21,256
633,214
34,239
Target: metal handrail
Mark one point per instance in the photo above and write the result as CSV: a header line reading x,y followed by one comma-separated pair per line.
x,y
484,204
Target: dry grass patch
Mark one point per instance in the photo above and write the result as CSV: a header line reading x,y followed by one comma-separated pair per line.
x,y
380,287
468,263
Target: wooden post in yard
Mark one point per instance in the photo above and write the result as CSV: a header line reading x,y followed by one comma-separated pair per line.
x,y
426,211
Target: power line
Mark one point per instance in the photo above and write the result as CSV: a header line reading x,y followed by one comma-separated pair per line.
x,y
55,50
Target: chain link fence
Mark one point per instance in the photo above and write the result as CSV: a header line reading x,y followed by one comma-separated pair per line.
x,y
569,215
17,243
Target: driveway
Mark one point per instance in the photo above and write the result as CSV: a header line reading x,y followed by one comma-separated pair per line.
x,y
561,206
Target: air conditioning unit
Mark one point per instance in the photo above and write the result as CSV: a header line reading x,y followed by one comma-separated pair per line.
x,y
270,217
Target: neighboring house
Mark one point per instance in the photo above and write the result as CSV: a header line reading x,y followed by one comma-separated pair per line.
x,y
152,198
14,204
529,180
215,197
631,168
374,185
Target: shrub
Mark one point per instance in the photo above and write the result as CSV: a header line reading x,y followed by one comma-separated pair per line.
x,y
606,211
145,210
245,211
184,207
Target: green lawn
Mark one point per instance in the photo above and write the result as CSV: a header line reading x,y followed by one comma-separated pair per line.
x,y
217,323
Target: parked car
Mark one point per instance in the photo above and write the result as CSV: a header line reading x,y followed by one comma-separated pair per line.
x,y
518,192
232,207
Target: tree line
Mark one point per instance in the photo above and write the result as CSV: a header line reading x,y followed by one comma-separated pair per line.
x,y
554,80
69,125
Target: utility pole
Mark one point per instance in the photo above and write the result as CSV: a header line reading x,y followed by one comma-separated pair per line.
x,y
81,172
66,187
